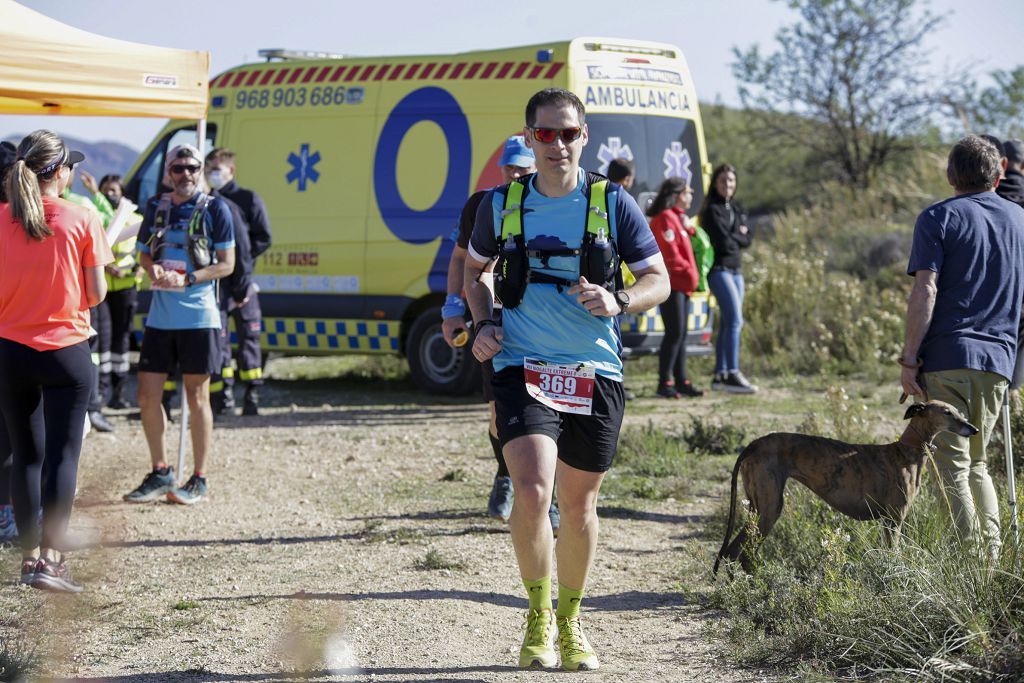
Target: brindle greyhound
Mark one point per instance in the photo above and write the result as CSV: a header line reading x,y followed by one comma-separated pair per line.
x,y
861,481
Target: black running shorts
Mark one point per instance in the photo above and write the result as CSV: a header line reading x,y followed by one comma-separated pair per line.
x,y
585,442
196,352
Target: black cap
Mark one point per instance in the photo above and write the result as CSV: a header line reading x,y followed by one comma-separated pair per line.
x,y
1014,150
8,155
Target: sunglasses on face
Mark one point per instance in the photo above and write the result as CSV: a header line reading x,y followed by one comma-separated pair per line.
x,y
178,169
548,135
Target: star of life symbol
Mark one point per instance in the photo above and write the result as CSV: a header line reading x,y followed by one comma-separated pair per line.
x,y
677,162
303,167
614,149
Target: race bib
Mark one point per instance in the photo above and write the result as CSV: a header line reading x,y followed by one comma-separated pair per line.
x,y
178,266
566,388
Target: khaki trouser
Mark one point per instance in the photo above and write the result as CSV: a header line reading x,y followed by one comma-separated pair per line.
x,y
962,461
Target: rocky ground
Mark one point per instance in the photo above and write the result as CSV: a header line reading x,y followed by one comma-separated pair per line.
x,y
346,538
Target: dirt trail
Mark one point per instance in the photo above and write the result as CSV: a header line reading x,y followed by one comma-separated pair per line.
x,y
316,536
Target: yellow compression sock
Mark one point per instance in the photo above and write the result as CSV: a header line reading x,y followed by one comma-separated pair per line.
x,y
568,601
539,592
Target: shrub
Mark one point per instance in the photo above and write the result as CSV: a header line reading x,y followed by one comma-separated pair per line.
x,y
710,437
18,658
823,594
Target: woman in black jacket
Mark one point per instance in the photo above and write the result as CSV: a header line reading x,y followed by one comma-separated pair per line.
x,y
725,223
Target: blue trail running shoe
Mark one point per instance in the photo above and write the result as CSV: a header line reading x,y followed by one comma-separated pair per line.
x,y
499,505
8,529
153,486
191,493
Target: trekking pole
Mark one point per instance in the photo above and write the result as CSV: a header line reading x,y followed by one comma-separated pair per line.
x,y
1009,471
182,431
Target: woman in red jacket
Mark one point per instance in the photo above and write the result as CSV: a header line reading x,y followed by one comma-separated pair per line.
x,y
673,230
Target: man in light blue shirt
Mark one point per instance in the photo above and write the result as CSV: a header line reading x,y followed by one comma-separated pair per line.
x,y
185,244
558,371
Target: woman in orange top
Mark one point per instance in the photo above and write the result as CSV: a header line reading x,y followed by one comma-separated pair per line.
x,y
52,255
672,229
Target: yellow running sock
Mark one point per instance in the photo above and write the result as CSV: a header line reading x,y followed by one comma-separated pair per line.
x,y
568,601
539,592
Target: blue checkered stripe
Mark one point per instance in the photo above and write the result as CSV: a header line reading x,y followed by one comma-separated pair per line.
x,y
698,317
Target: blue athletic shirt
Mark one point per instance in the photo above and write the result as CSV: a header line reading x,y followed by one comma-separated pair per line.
x,y
975,243
196,307
549,324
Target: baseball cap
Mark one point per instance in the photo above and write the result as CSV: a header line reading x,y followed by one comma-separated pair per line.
x,y
1014,150
516,153
180,152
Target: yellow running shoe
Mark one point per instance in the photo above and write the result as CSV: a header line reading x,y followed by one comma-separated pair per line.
x,y
539,642
577,655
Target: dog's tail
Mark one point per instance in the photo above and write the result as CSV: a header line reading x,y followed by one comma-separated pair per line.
x,y
732,507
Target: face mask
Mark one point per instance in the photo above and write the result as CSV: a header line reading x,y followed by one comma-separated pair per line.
x,y
216,179
114,200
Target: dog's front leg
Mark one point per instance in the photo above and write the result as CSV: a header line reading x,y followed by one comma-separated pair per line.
x,y
891,532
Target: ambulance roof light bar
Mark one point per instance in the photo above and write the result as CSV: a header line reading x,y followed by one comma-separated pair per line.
x,y
273,53
630,49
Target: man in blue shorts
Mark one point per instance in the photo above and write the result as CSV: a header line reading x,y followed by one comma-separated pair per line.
x,y
556,354
185,244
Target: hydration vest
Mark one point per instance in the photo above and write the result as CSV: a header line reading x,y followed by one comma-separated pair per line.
x,y
599,260
198,245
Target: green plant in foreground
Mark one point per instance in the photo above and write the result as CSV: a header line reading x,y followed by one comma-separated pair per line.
x,y
18,658
458,474
435,561
182,605
825,596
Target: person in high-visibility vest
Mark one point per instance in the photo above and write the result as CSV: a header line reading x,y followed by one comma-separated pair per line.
x,y
123,278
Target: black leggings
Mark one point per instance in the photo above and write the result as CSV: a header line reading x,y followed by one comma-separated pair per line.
x,y
5,464
43,399
672,355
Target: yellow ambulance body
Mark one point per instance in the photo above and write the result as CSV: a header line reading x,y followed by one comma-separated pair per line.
x,y
365,164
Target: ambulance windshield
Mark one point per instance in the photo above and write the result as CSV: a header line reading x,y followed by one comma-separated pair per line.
x,y
659,146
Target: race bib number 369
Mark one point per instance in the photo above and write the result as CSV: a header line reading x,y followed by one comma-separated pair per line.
x,y
566,388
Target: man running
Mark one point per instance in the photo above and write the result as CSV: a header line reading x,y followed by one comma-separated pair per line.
x,y
556,353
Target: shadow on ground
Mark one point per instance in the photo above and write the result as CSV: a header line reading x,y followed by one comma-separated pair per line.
x,y
615,602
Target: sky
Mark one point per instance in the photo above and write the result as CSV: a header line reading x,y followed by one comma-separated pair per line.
x,y
987,35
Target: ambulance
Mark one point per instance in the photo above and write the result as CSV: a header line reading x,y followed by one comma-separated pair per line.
x,y
366,162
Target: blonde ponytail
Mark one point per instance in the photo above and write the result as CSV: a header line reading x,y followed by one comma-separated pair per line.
x,y
26,201
38,151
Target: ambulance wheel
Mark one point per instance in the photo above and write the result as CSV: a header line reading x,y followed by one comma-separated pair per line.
x,y
436,367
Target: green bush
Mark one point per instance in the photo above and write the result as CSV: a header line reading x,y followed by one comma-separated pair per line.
x,y
18,657
652,464
822,594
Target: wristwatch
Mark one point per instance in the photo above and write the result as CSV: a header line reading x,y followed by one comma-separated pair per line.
x,y
190,279
622,298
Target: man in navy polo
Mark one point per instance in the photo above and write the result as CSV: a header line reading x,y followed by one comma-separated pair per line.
x,y
967,260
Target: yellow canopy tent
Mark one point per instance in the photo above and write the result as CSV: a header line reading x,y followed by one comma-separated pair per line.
x,y
47,67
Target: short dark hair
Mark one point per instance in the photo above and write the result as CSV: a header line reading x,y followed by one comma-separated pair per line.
x,y
620,169
974,164
996,142
111,178
220,155
553,97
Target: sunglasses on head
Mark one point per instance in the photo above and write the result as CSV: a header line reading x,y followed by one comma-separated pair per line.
x,y
548,135
178,169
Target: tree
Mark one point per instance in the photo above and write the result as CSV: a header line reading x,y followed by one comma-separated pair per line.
x,y
851,75
997,110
